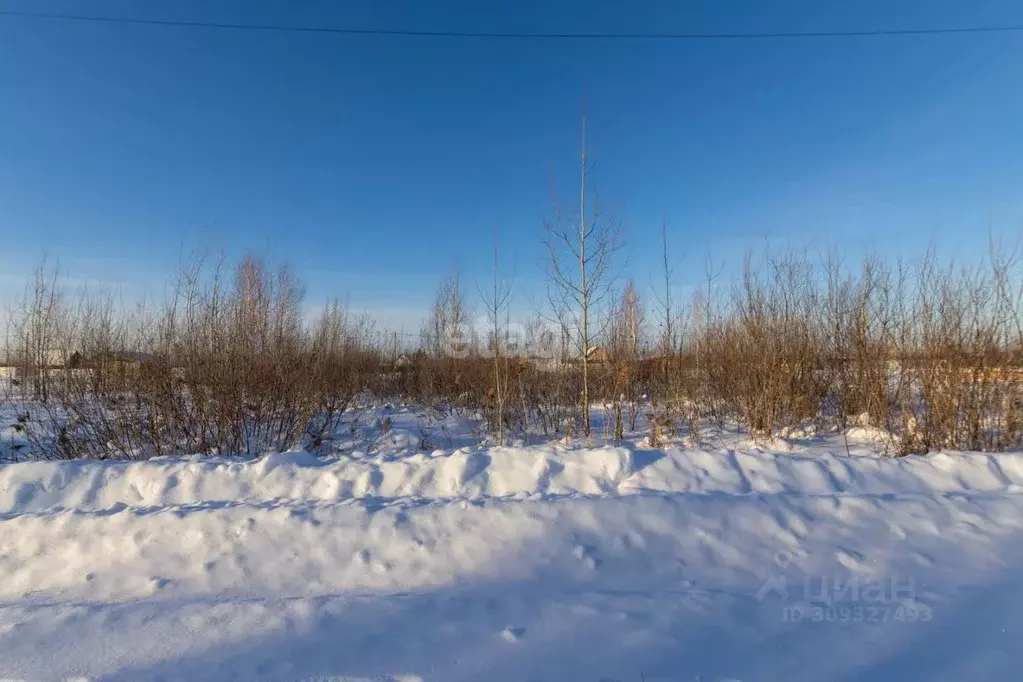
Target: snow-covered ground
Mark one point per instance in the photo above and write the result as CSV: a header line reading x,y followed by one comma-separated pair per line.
x,y
530,563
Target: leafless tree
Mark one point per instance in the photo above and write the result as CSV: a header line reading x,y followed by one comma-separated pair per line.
x,y
36,327
446,331
580,278
496,301
624,352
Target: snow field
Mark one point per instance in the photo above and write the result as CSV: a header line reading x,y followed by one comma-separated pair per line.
x,y
538,563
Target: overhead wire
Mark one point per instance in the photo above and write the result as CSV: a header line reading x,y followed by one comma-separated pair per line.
x,y
282,28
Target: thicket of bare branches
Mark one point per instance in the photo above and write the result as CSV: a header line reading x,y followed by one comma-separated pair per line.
x,y
225,365
928,355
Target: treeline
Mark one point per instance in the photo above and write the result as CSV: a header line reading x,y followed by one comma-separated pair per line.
x,y
929,353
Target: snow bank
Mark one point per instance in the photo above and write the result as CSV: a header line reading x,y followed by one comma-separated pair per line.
x,y
497,472
734,472
514,564
493,473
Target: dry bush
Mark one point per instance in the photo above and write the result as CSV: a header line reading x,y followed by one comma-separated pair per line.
x,y
962,356
548,384
930,354
224,366
620,383
765,360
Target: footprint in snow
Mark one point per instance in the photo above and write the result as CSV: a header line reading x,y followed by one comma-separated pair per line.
x,y
922,559
157,584
585,555
512,634
851,560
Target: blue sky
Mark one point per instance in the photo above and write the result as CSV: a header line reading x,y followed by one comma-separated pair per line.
x,y
374,165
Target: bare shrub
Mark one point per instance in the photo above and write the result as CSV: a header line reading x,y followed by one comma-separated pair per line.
x,y
221,367
928,354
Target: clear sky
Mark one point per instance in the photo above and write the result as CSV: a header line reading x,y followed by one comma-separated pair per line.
x,y
374,165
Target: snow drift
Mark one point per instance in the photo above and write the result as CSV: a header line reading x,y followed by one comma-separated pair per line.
x,y
538,563
492,473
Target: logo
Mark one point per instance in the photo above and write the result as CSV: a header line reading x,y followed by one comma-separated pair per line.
x,y
843,598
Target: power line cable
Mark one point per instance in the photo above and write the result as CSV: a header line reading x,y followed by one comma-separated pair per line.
x,y
1005,28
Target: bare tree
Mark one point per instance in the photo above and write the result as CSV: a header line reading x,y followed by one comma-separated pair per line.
x,y
665,304
496,302
670,341
446,329
37,330
580,280
624,352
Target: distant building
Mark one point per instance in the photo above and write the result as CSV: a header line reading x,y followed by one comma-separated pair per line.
x,y
597,355
14,365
